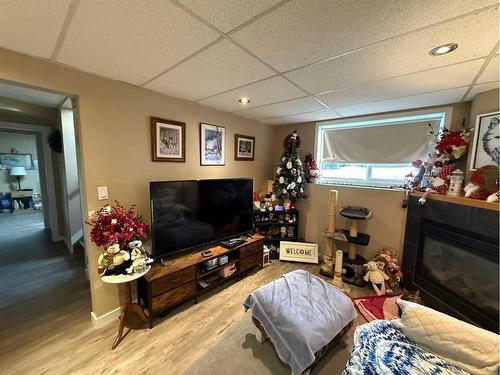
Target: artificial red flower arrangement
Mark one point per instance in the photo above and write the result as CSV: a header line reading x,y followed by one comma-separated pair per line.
x,y
116,225
452,144
119,231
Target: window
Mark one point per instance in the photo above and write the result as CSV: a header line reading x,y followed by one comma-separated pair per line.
x,y
374,152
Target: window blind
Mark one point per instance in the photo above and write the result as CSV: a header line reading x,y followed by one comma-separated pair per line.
x,y
381,143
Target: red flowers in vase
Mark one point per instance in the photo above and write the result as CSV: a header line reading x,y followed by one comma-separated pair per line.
x,y
116,225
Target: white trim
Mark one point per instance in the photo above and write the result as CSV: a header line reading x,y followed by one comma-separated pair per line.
x,y
105,319
76,237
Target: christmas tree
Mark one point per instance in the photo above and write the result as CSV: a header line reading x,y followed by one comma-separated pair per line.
x,y
289,178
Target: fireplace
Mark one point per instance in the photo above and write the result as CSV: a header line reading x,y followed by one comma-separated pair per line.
x,y
453,262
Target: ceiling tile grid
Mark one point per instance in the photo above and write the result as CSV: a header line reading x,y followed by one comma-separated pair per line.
x,y
443,78
483,87
228,14
221,67
305,31
303,117
490,73
403,55
131,40
31,26
289,107
356,56
415,101
271,90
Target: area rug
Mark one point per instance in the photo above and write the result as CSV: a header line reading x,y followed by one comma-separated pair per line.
x,y
239,352
377,307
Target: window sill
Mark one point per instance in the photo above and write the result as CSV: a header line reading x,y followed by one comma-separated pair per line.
x,y
359,186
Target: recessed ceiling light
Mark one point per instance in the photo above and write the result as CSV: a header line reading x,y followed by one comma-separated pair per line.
x,y
444,49
244,100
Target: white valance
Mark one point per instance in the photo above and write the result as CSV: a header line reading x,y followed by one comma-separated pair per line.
x,y
401,142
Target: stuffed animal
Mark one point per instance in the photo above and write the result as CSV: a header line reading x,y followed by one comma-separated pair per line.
x,y
482,183
376,275
391,269
110,259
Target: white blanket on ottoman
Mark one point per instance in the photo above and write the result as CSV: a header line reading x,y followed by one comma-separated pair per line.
x,y
300,313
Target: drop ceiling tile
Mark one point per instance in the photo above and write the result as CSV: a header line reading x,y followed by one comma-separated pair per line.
x,y
305,117
290,107
405,54
271,90
132,40
490,74
447,77
304,31
221,67
31,26
228,14
416,101
478,89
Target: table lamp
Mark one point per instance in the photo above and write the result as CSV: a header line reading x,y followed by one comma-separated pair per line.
x,y
18,171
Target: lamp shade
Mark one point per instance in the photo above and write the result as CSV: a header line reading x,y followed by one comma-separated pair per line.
x,y
17,171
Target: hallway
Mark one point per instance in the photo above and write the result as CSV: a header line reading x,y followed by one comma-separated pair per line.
x,y
45,291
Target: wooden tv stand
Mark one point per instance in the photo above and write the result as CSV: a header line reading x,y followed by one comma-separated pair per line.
x,y
166,286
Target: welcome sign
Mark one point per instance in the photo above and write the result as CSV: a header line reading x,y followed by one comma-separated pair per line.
x,y
299,252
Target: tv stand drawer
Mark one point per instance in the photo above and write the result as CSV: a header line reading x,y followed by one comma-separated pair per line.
x,y
251,249
173,297
173,280
251,261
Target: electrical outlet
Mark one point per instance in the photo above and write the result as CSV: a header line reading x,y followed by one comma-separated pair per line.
x,y
102,193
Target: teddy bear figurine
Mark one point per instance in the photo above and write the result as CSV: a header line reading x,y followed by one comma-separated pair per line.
x,y
376,275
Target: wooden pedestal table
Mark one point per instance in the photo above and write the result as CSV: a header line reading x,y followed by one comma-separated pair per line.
x,y
129,306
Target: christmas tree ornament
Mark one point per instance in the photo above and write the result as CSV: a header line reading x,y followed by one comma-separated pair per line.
x,y
289,165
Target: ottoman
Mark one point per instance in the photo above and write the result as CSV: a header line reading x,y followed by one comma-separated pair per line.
x,y
302,315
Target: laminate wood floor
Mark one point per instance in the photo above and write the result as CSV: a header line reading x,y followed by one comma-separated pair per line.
x,y
52,333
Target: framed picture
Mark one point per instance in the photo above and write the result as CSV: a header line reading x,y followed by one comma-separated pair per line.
x,y
168,139
17,160
212,144
486,147
299,252
244,147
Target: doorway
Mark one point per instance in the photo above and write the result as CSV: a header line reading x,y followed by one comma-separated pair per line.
x,y
43,262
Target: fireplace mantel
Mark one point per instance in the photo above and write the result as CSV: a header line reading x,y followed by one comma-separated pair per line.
x,y
461,200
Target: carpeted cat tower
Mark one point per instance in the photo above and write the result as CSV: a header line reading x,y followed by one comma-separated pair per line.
x,y
352,266
353,271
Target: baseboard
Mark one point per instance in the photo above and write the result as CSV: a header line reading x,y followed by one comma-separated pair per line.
x,y
76,237
103,320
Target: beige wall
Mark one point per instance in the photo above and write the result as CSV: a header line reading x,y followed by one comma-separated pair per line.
x,y
114,140
24,144
485,102
387,225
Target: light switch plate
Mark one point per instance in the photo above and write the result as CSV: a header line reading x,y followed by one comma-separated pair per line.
x,y
102,193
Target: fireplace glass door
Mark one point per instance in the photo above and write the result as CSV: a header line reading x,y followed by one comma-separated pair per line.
x,y
461,271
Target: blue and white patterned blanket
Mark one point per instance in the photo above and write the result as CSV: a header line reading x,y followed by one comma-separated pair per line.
x,y
380,348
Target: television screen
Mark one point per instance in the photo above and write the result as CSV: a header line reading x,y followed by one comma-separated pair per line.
x,y
188,214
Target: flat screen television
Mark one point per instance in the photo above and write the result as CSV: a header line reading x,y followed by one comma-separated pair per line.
x,y
189,214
